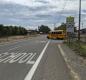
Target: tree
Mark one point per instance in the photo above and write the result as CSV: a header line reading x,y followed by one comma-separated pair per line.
x,y
44,29
1,29
61,27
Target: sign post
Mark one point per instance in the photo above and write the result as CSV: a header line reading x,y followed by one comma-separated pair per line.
x,y
70,24
70,28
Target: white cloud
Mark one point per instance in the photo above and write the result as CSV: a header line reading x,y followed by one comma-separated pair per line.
x,y
42,11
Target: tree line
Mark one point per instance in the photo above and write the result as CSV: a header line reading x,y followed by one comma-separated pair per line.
x,y
12,30
44,29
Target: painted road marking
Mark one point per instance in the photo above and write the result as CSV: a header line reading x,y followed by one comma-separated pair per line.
x,y
30,60
74,74
17,57
40,41
34,67
43,41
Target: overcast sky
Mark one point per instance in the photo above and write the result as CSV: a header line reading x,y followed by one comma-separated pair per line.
x,y
31,13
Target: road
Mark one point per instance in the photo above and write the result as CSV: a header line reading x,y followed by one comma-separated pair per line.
x,y
34,59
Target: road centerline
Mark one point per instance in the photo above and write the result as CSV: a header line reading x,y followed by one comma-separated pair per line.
x,y
34,67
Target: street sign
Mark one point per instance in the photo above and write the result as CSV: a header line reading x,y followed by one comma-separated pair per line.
x,y
70,28
70,24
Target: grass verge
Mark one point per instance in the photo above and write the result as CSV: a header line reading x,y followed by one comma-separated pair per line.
x,y
78,47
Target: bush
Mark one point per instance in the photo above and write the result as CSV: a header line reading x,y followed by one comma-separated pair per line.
x,y
12,30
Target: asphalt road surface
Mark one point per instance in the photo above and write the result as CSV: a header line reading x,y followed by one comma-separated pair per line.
x,y
33,59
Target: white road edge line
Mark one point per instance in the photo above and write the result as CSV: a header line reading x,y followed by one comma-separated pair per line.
x,y
34,67
74,74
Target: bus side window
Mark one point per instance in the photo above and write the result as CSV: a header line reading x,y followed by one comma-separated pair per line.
x,y
56,32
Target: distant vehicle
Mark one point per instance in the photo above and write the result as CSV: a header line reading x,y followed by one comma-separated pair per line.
x,y
57,34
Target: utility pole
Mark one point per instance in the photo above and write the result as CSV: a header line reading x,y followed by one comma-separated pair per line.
x,y
79,20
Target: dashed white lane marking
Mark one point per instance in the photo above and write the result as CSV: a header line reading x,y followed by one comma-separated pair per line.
x,y
34,67
73,73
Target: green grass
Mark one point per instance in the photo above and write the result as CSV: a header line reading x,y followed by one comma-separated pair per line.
x,y
84,46
78,47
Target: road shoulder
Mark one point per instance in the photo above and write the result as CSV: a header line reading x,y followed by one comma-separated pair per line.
x,y
74,62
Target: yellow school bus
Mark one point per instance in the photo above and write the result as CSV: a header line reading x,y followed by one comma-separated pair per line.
x,y
58,34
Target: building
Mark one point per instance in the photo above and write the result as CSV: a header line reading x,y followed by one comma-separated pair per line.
x,y
83,31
